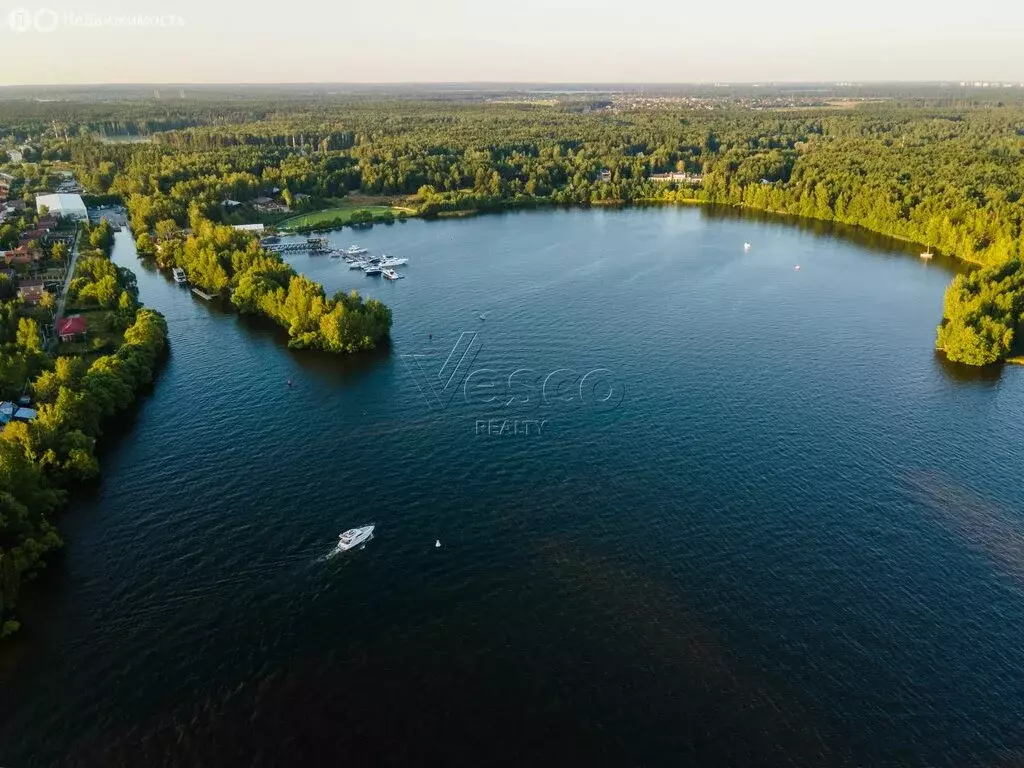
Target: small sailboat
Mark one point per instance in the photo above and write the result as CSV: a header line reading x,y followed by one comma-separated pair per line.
x,y
927,255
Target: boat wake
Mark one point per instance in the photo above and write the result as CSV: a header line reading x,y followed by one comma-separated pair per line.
x,y
329,556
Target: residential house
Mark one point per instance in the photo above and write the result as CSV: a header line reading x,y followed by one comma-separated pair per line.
x,y
72,328
22,256
31,290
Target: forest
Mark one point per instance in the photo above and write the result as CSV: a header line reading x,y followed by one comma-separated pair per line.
x,y
945,173
75,396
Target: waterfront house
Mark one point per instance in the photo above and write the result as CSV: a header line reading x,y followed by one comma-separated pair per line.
x,y
72,328
677,176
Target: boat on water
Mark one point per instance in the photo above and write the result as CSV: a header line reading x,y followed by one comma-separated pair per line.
x,y
390,274
353,537
927,255
179,275
371,269
268,239
357,265
355,250
746,246
391,262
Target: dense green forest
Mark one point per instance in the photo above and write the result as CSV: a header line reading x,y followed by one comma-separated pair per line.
x,y
947,173
74,395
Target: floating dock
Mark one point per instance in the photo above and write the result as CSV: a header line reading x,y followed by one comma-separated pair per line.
x,y
313,244
202,294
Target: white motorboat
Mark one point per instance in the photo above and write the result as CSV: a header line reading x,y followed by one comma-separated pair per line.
x,y
391,262
390,274
357,265
353,537
927,255
179,275
746,246
355,250
371,269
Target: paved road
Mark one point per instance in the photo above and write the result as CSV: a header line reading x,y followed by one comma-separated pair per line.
x,y
62,299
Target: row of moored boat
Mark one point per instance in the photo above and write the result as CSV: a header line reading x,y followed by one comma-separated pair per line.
x,y
360,258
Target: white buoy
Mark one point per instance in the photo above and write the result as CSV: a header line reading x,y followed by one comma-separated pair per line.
x,y
437,544
797,267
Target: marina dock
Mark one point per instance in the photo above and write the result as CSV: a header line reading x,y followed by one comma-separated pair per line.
x,y
313,245
202,294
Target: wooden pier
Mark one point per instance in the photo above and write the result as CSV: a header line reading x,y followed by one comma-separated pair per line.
x,y
202,294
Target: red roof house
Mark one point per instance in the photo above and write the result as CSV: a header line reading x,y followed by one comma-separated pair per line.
x,y
70,328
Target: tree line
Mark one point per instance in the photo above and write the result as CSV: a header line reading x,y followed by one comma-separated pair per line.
x,y
41,459
944,173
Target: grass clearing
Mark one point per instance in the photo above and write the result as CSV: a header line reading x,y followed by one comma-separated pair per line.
x,y
340,213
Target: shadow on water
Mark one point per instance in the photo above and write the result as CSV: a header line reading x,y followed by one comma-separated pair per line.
x,y
865,238
958,373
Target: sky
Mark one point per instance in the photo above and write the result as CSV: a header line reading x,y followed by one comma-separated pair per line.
x,y
374,41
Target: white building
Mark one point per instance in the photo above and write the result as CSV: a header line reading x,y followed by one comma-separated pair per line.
x,y
69,206
248,227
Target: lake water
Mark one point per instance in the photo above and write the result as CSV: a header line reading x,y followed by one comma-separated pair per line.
x,y
726,512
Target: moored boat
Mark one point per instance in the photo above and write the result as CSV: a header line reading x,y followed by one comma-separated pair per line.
x,y
371,269
390,274
179,275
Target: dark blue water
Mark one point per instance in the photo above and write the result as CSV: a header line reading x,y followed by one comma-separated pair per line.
x,y
771,526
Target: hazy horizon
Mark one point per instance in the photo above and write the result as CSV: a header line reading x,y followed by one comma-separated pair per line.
x,y
455,41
